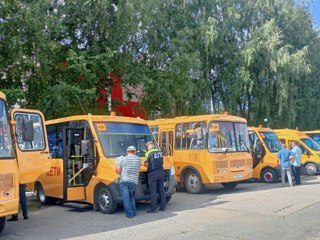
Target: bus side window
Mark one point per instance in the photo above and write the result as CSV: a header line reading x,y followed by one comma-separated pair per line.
x,y
283,141
164,143
55,141
170,143
304,150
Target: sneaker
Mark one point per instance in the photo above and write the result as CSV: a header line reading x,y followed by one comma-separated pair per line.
x,y
162,209
291,185
152,211
25,216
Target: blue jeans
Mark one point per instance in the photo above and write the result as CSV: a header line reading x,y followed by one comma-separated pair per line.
x,y
128,190
296,174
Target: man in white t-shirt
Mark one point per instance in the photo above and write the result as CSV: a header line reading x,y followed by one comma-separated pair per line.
x,y
128,168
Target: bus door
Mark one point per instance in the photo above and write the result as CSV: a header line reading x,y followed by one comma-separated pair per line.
x,y
257,148
79,162
166,146
31,144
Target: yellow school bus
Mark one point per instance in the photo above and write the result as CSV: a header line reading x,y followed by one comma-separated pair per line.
x,y
21,162
205,149
315,135
264,147
83,151
310,159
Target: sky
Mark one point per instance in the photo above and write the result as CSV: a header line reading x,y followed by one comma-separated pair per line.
x,y
315,12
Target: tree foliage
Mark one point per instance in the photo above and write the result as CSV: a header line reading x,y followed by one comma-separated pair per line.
x,y
256,59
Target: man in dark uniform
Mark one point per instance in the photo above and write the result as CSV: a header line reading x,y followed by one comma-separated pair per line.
x,y
154,163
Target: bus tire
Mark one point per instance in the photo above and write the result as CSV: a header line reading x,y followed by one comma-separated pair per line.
x,y
2,223
41,196
311,169
269,175
180,187
229,185
193,182
105,201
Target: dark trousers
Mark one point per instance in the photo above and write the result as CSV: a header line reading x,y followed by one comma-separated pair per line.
x,y
23,199
156,182
128,190
296,174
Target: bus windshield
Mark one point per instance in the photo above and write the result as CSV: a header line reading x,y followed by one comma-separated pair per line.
x,y
6,150
315,137
116,137
271,141
311,144
228,137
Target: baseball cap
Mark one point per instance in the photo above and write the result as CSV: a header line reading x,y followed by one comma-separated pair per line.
x,y
131,149
150,142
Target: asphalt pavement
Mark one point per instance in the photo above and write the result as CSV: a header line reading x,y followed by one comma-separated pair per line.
x,y
253,210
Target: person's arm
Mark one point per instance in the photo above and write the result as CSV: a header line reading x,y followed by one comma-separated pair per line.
x,y
145,163
118,169
278,158
119,166
291,157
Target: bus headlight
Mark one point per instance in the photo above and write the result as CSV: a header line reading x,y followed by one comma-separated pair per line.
x,y
172,171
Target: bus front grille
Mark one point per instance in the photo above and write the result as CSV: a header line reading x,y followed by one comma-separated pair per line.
x,y
237,163
221,164
143,179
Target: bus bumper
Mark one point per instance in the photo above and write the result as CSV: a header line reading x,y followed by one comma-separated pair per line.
x,y
142,191
232,177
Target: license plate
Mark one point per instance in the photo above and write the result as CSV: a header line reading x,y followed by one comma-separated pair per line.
x,y
239,176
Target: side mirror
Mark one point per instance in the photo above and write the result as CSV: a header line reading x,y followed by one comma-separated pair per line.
x,y
84,147
27,130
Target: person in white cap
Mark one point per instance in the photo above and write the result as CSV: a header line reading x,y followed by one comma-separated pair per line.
x,y
128,168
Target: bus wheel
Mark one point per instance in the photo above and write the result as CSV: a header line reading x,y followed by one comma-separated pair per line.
x,y
193,182
229,185
2,223
269,175
311,169
41,196
106,203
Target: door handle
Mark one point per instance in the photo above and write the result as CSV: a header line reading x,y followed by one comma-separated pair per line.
x,y
44,152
